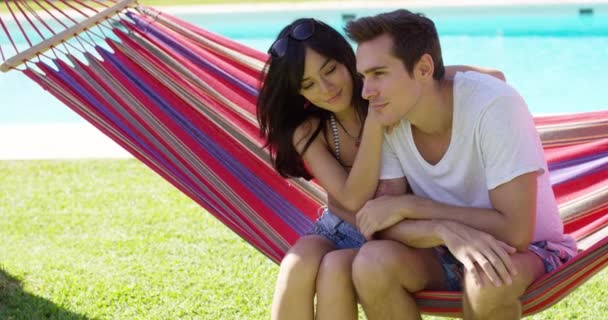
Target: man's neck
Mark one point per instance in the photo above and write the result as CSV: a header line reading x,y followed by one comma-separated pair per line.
x,y
433,115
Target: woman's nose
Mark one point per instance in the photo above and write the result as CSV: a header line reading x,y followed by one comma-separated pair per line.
x,y
326,85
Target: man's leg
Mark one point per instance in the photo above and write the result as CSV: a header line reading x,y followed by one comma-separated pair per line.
x,y
386,274
295,287
486,301
336,298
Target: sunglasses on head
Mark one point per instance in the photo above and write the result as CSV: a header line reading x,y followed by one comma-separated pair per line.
x,y
301,31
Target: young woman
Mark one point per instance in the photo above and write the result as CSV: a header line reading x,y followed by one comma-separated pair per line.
x,y
315,121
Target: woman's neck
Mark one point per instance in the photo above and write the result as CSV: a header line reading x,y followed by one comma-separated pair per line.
x,y
349,117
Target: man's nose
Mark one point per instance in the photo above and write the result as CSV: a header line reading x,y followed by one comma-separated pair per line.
x,y
368,90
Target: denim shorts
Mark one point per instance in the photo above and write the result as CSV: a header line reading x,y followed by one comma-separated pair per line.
x,y
341,233
454,270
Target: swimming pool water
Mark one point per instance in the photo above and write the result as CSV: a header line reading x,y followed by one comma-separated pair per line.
x,y
555,56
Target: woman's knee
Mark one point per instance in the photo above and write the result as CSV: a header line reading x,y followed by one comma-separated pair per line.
x,y
337,265
301,262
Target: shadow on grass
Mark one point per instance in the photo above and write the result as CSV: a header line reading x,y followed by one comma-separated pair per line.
x,y
16,304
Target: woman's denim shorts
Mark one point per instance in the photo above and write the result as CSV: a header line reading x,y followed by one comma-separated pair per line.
x,y
341,233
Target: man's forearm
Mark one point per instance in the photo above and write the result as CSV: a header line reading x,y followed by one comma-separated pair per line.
x,y
414,233
486,220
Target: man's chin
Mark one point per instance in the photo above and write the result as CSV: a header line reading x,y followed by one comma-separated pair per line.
x,y
387,122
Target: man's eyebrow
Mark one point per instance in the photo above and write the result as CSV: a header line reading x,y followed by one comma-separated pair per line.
x,y
321,68
373,69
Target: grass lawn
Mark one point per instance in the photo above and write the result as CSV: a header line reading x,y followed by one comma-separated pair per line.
x,y
108,239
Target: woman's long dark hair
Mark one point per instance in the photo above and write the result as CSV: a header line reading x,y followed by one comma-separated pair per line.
x,y
280,107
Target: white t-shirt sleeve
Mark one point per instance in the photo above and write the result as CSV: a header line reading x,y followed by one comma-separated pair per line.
x,y
390,167
509,143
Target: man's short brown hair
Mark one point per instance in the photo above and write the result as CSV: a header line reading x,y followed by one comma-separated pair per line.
x,y
413,35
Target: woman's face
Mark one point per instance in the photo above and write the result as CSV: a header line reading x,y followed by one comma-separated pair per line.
x,y
326,83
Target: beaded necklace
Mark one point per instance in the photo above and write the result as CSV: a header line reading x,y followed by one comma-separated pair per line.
x,y
334,130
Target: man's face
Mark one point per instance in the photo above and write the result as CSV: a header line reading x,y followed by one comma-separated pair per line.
x,y
391,91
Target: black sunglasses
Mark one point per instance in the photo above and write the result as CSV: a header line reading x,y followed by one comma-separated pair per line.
x,y
301,31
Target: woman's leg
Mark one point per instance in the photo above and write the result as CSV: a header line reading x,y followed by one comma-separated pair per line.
x,y
295,287
336,298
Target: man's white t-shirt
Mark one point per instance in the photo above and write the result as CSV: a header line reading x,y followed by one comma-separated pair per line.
x,y
493,141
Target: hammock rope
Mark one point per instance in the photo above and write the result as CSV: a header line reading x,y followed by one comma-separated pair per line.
x,y
182,100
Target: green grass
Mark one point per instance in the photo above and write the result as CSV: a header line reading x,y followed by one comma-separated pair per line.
x,y
109,239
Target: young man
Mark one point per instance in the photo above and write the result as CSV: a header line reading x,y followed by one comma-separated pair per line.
x,y
482,217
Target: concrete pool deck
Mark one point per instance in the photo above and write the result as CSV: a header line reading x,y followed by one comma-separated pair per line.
x,y
57,141
82,140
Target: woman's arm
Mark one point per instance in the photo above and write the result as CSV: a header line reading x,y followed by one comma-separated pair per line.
x,y
450,71
349,190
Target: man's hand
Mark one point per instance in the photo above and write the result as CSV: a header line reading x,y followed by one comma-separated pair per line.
x,y
472,247
378,214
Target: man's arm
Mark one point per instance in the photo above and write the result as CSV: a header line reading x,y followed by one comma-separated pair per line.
x,y
469,246
414,233
513,158
512,220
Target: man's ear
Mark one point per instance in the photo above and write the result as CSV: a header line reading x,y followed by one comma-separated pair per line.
x,y
425,67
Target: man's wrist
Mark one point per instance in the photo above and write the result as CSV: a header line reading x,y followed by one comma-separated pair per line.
x,y
439,228
407,206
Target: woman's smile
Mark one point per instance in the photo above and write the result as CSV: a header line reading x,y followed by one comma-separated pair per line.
x,y
335,97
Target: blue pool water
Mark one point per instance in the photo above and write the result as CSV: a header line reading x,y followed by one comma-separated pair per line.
x,y
556,56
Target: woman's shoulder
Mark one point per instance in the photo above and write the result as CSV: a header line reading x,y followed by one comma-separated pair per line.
x,y
304,132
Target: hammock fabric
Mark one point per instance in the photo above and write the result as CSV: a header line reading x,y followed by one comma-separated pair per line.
x,y
182,101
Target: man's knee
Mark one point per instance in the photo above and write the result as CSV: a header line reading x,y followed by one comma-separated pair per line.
x,y
487,301
485,297
386,263
368,266
381,264
486,293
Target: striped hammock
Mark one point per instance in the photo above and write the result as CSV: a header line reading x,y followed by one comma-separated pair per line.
x,y
182,101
